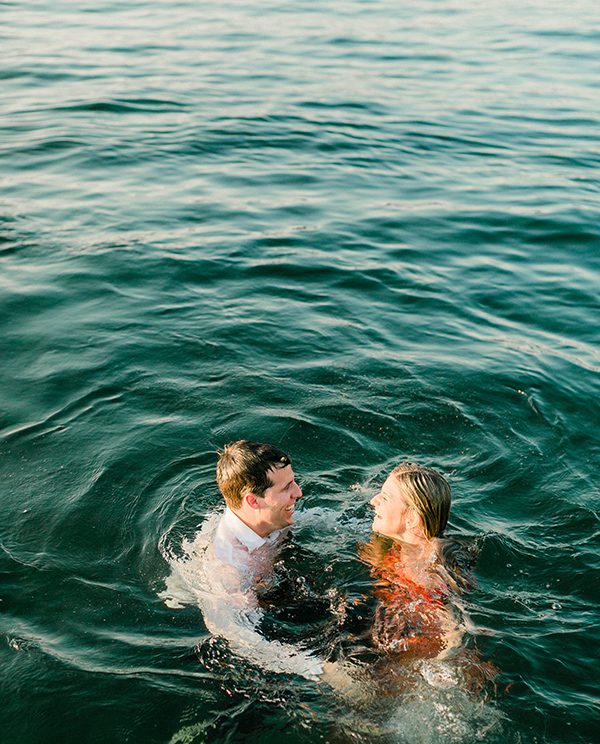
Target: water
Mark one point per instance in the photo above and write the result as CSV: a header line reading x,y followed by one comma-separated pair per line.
x,y
363,231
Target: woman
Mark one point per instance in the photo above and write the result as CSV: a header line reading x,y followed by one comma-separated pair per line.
x,y
416,571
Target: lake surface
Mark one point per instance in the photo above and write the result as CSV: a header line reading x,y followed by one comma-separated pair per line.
x,y
363,231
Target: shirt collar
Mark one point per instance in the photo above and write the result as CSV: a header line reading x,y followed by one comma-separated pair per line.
x,y
245,534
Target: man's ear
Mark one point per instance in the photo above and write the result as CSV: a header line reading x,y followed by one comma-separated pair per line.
x,y
251,500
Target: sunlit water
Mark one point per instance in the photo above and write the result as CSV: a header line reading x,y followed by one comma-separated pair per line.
x,y
363,231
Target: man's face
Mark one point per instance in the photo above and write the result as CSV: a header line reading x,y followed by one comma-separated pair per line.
x,y
279,500
391,508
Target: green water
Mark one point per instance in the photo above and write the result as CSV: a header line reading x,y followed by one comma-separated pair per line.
x,y
363,231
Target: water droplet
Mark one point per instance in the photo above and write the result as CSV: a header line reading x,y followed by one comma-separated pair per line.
x,y
556,606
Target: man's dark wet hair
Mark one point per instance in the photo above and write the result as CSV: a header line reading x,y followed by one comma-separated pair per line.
x,y
243,467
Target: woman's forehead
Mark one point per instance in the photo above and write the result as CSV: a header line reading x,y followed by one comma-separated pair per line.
x,y
391,485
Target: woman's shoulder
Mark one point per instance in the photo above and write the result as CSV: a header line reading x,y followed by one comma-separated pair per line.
x,y
458,557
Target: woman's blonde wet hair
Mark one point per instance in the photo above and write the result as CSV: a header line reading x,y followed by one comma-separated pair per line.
x,y
429,494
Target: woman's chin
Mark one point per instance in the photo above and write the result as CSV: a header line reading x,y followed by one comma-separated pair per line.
x,y
377,527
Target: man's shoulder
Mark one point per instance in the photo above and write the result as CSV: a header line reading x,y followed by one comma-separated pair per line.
x,y
227,544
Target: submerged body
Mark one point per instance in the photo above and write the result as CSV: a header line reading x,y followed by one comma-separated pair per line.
x,y
223,571
414,617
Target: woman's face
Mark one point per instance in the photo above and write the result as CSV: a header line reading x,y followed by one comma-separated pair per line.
x,y
391,508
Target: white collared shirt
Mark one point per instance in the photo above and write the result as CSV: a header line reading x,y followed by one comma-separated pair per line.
x,y
239,558
237,544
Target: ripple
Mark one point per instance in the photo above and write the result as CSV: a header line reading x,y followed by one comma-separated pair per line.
x,y
123,106
59,420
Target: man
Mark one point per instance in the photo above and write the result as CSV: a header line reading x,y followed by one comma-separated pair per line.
x,y
233,554
260,492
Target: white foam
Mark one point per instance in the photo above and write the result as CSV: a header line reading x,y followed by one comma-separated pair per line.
x,y
441,711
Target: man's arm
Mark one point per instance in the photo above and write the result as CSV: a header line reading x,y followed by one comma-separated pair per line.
x,y
231,611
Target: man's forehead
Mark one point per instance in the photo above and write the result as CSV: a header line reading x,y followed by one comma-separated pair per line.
x,y
278,474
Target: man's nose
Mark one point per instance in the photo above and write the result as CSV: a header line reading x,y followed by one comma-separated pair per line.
x,y
374,500
298,493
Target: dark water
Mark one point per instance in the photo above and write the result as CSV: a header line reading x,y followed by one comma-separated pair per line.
x,y
364,231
